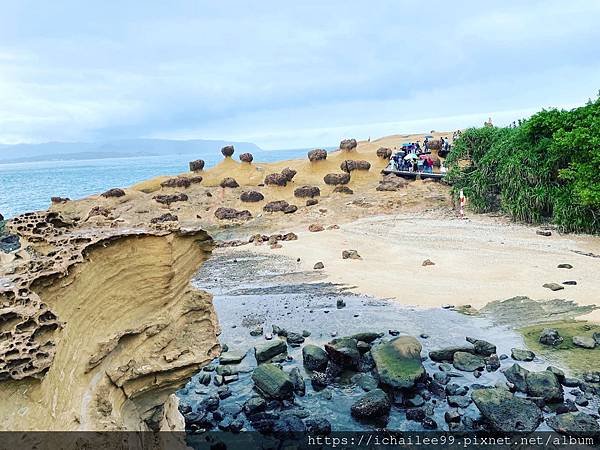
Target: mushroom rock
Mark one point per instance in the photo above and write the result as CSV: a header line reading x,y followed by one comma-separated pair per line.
x,y
227,151
276,179
317,155
231,213
348,144
251,196
171,198
197,165
307,191
349,165
384,153
288,173
337,178
229,182
177,182
246,157
280,206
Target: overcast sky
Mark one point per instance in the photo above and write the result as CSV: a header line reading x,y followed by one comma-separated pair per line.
x,y
286,74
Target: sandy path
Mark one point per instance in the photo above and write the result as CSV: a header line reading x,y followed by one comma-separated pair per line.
x,y
476,261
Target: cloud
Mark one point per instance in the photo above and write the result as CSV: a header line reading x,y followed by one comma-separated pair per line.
x,y
292,75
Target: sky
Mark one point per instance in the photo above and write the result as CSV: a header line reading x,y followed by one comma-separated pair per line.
x,y
287,74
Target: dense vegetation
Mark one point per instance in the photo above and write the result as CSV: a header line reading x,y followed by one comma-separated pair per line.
x,y
545,169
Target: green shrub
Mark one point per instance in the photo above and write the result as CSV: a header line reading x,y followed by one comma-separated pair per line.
x,y
546,169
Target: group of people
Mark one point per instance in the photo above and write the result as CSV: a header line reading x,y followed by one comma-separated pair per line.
x,y
413,162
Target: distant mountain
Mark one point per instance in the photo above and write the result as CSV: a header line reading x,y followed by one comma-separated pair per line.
x,y
62,151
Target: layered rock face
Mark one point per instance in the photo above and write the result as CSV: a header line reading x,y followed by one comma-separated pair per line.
x,y
99,326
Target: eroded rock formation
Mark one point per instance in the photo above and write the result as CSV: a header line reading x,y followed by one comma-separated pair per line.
x,y
100,325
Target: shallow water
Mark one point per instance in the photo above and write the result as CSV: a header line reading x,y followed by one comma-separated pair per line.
x,y
251,290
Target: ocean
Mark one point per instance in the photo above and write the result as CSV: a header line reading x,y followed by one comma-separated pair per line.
x,y
28,186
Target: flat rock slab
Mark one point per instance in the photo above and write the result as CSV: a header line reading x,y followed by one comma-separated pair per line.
x,y
232,357
468,362
268,350
507,412
398,362
272,381
521,355
447,354
573,423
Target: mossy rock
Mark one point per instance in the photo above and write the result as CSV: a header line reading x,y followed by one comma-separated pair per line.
x,y
398,362
565,354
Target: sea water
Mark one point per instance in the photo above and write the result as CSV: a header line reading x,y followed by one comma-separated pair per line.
x,y
28,186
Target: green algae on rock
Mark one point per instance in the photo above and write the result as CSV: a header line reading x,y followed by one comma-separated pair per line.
x,y
398,362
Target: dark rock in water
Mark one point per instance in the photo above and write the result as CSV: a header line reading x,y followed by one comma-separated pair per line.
x,y
204,378
246,157
415,401
459,401
468,362
272,381
9,243
558,373
384,153
317,155
227,151
231,357
565,266
231,213
363,347
197,165
394,332
279,331
350,165
454,389
507,412
224,392
114,192
307,191
584,342
366,336
229,182
452,416
340,303
567,406
305,333
298,381
254,405
288,426
441,377
492,363
365,381
553,286
415,414
581,400
344,352
429,423
398,362
343,190
258,331
251,196
366,363
317,426
337,178
447,354
550,336
319,380
348,144
314,357
517,375
276,179
596,337
373,404
573,423
522,355
481,347
545,385
295,338
270,349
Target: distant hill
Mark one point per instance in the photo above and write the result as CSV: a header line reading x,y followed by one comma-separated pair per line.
x,y
63,151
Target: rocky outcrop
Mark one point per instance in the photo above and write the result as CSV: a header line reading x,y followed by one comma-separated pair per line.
x,y
506,412
183,182
92,343
232,214
167,199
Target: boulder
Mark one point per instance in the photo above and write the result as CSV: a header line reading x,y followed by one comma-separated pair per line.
x,y
550,336
251,196
344,352
521,355
231,214
348,144
298,381
481,347
314,357
584,342
229,182
447,354
506,412
317,426
565,266
280,206
315,227
197,165
114,192
276,179
384,153
289,237
374,404
553,286
227,151
288,173
317,155
246,157
265,351
367,336
58,200
312,202
167,199
294,339
391,182
272,382
307,191
573,423
177,182
398,362
545,385
350,165
318,266
350,254
517,375
468,362
336,179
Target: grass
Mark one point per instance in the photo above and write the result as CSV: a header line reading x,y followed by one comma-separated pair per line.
x,y
577,360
